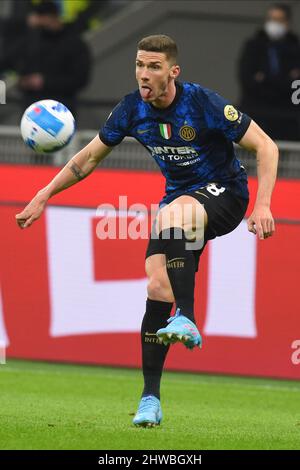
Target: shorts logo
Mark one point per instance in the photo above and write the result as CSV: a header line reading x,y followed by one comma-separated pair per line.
x,y
187,133
175,263
230,113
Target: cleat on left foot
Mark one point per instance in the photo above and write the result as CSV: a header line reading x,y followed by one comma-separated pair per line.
x,y
182,329
149,413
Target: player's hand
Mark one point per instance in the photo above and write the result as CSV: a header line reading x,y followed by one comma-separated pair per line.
x,y
261,222
32,212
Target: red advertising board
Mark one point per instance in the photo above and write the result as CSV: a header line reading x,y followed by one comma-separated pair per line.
x,y
66,295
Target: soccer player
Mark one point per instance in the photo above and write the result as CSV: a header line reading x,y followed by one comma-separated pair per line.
x,y
189,131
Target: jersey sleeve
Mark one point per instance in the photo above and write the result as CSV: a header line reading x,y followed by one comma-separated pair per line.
x,y
223,116
116,126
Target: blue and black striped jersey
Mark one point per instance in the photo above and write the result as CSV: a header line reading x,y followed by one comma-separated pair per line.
x,y
191,140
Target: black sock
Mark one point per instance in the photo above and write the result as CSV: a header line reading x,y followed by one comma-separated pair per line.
x,y
153,353
181,269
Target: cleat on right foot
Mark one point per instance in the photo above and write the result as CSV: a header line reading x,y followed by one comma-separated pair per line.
x,y
182,329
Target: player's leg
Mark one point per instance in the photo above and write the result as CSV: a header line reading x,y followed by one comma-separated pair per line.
x,y
159,287
181,227
161,297
223,212
158,309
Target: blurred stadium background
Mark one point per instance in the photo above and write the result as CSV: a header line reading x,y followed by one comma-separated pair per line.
x,y
67,297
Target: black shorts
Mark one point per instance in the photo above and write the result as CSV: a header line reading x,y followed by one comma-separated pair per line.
x,y
225,210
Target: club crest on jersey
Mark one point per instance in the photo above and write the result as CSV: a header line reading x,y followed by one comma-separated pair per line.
x,y
230,113
187,133
165,130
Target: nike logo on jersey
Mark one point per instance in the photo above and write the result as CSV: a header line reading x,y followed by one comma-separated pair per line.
x,y
142,131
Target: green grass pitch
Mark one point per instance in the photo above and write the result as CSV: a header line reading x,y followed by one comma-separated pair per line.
x,y
60,406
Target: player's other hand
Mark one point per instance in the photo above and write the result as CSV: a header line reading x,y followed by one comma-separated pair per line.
x,y
32,212
261,222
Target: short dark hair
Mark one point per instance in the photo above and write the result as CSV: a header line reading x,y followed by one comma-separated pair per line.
x,y
160,43
285,8
45,7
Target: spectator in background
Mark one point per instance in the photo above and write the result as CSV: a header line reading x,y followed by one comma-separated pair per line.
x,y
82,15
51,61
268,65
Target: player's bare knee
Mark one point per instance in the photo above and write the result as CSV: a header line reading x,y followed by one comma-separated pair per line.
x,y
169,216
187,213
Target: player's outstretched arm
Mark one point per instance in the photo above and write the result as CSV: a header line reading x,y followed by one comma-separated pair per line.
x,y
261,221
78,168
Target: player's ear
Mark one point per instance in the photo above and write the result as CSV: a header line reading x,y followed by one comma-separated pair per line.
x,y
175,71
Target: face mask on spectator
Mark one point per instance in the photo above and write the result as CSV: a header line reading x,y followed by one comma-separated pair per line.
x,y
274,29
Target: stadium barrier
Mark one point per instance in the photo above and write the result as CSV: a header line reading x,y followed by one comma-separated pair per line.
x,y
67,296
129,154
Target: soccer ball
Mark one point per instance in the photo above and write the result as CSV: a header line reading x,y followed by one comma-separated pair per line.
x,y
47,126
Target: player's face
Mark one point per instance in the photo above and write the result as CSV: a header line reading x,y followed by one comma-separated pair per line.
x,y
154,74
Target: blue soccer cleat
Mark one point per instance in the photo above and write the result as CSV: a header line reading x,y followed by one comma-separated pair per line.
x,y
149,413
180,329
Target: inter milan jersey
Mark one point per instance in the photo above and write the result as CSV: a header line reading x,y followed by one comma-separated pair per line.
x,y
191,139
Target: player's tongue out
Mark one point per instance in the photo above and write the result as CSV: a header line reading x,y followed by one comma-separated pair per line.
x,y
145,91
